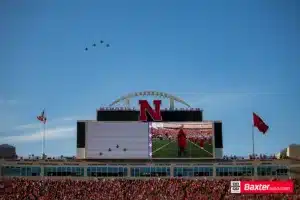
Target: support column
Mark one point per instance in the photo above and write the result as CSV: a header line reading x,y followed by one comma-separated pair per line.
x,y
42,170
256,163
255,170
128,171
172,171
214,171
85,171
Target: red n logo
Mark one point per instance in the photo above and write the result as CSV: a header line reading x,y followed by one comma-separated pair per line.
x,y
146,108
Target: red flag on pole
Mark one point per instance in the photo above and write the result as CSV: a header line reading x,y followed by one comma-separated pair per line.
x,y
42,117
260,124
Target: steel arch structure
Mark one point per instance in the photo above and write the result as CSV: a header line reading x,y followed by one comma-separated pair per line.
x,y
164,95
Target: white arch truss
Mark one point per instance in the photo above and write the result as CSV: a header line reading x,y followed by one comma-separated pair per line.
x,y
164,95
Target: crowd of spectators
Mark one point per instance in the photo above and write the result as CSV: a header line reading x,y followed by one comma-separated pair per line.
x,y
123,189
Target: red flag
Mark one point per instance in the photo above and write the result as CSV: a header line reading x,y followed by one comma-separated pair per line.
x,y
42,117
260,124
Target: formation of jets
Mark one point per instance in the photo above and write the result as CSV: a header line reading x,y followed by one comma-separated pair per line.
x,y
109,149
95,45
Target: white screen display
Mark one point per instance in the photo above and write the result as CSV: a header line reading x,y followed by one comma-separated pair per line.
x,y
106,140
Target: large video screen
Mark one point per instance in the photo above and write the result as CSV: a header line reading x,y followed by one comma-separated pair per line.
x,y
114,140
182,140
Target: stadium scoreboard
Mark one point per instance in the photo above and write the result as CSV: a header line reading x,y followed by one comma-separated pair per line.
x,y
148,133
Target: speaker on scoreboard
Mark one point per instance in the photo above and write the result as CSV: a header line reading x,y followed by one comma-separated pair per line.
x,y
81,139
218,139
80,134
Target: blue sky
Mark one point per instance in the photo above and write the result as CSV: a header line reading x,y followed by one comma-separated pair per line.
x,y
228,57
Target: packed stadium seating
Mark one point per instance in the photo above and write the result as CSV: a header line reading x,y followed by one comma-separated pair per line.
x,y
119,189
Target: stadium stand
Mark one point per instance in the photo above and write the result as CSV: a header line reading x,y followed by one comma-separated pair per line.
x,y
119,189
74,179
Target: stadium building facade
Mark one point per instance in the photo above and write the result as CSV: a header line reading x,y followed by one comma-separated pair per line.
x,y
119,144
212,168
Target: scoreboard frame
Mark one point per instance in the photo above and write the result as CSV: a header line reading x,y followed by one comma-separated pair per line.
x,y
148,114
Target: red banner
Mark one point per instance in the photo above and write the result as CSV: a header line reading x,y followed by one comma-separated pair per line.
x,y
262,187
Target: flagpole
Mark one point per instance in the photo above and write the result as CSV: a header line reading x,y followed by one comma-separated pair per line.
x,y
44,132
253,149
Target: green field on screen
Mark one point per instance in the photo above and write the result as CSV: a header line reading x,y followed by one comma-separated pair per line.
x,y
166,148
